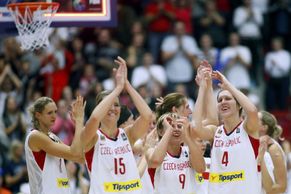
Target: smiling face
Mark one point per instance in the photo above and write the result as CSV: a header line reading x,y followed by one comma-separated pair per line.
x,y
47,117
113,113
227,105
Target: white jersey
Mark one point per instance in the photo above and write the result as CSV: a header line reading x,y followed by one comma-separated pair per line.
x,y
269,163
47,174
202,179
147,186
234,168
112,166
175,175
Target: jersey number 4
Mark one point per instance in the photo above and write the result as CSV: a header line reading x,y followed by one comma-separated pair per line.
x,y
119,166
224,159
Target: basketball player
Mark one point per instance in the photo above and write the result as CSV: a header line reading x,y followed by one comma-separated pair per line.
x,y
108,149
44,151
174,164
274,156
234,152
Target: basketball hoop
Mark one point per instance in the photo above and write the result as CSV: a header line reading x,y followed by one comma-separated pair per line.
x,y
32,19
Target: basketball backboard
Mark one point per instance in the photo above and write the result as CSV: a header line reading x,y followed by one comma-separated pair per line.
x,y
89,13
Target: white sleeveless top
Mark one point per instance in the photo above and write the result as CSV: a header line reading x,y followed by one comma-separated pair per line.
x,y
112,166
234,168
175,175
270,165
47,174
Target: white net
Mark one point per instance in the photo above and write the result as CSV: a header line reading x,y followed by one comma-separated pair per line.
x,y
32,24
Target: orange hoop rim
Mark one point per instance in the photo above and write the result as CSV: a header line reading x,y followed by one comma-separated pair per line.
x,y
33,6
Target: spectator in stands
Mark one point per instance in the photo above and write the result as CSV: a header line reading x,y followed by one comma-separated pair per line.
x,y
134,52
10,85
279,20
13,120
159,15
15,169
149,72
87,79
248,22
183,11
179,52
213,23
277,68
236,61
209,52
106,50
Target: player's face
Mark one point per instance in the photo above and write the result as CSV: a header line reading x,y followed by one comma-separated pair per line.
x,y
184,110
226,103
177,130
114,111
48,116
263,128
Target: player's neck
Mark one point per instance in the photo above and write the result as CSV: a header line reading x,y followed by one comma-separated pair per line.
x,y
174,150
229,125
109,130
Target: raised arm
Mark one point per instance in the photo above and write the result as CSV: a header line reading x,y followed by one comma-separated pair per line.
x,y
196,156
251,123
39,141
89,132
141,125
155,156
201,130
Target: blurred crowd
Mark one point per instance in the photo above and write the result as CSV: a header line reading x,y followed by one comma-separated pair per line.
x,y
162,42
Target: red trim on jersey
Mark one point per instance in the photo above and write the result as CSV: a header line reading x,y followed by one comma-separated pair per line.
x,y
152,172
89,158
39,158
113,139
205,175
177,156
228,134
255,144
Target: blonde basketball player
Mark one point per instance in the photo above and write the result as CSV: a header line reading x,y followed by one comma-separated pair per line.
x,y
275,179
44,151
175,164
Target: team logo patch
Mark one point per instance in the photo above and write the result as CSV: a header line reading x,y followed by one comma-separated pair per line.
x,y
227,177
102,138
238,130
62,182
122,186
199,178
219,131
123,136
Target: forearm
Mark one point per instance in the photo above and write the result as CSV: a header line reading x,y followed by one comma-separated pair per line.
x,y
196,156
142,165
266,178
160,151
211,106
243,100
76,147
